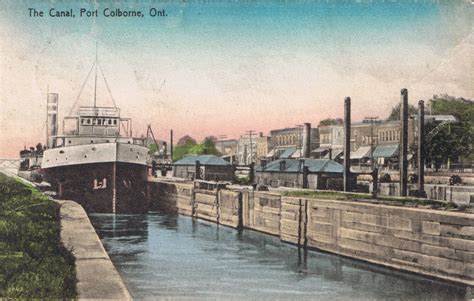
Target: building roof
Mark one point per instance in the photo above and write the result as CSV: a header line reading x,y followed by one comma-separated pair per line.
x,y
336,152
386,151
288,152
297,154
361,152
203,159
321,149
314,166
271,153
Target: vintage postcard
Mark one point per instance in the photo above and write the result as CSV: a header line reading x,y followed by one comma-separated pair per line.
x,y
237,150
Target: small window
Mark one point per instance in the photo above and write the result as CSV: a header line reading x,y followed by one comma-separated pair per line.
x,y
61,152
83,121
115,121
92,141
94,149
88,121
99,121
110,121
69,142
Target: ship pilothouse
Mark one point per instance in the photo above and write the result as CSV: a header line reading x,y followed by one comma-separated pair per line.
x,y
96,160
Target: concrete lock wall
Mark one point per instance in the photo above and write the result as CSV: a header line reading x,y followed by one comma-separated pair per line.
x,y
430,242
460,195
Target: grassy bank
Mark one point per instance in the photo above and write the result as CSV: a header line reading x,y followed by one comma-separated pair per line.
x,y
33,262
389,200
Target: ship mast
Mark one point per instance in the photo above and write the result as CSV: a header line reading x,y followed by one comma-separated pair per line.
x,y
95,81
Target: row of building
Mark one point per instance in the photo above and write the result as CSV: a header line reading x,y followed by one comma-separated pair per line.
x,y
325,142
370,138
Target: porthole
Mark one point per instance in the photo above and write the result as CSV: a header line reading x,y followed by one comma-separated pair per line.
x,y
69,142
94,149
85,156
61,152
92,141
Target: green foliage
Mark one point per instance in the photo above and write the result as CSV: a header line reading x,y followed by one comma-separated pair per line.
x,y
207,147
450,140
395,113
153,148
33,262
244,180
331,121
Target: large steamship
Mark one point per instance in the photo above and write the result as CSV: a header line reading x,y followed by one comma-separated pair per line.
x,y
96,161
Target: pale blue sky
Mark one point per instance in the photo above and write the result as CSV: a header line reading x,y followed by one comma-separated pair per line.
x,y
233,67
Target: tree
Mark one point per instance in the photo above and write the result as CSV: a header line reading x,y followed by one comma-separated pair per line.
x,y
207,147
186,140
450,140
152,149
331,121
395,114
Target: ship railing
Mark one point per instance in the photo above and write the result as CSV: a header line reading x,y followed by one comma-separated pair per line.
x,y
64,140
99,111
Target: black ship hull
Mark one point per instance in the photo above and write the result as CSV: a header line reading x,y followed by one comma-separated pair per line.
x,y
112,187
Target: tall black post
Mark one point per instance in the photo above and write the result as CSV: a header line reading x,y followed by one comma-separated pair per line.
x,y
421,149
404,143
306,152
171,145
197,175
347,143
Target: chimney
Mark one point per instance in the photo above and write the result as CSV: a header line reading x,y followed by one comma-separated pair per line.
x,y
165,151
306,140
52,116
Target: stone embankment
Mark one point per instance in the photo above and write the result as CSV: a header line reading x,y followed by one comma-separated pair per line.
x,y
97,277
430,242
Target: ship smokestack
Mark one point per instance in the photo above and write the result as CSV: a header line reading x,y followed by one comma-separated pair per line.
x,y
306,140
52,122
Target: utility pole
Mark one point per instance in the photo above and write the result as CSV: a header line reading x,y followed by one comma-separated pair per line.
x,y
372,119
250,133
171,145
421,149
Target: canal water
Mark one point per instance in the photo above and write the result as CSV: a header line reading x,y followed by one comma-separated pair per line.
x,y
167,256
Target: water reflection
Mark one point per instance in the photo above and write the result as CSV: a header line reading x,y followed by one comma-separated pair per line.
x,y
170,256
